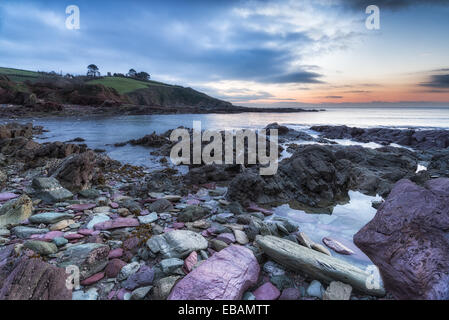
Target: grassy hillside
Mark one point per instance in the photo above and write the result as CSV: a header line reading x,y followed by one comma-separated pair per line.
x,y
126,85
18,75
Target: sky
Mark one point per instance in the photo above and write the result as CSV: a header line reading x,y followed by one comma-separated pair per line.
x,y
249,52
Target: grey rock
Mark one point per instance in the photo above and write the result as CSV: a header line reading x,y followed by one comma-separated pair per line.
x,y
160,205
140,293
162,287
41,247
170,265
25,232
148,218
49,217
15,211
177,243
50,190
192,213
315,289
100,217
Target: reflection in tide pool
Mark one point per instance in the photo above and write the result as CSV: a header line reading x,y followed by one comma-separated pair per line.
x,y
341,225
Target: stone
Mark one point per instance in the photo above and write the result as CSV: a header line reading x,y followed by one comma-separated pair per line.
x,y
98,218
218,245
170,265
24,232
162,287
91,294
148,218
33,279
240,237
49,217
41,247
62,224
92,279
73,236
190,262
60,241
320,248
315,289
49,236
132,206
104,209
192,213
337,246
116,253
50,190
117,223
290,294
90,258
304,240
4,232
228,238
140,293
89,193
82,207
315,264
267,292
143,277
282,281
113,268
177,243
5,196
337,291
128,270
15,211
160,205
273,269
408,240
224,276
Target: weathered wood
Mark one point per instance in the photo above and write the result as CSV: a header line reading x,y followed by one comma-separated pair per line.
x,y
316,264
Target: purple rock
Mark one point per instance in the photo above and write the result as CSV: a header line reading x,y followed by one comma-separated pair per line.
x,y
93,279
228,238
116,253
143,277
267,291
144,212
49,236
255,208
73,236
224,276
117,223
121,294
408,240
178,225
86,232
5,196
337,246
190,261
114,205
290,294
113,268
84,206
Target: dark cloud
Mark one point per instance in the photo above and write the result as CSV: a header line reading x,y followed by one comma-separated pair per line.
x,y
334,97
390,4
439,81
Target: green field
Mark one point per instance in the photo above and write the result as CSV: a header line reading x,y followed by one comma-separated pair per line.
x,y
18,75
126,85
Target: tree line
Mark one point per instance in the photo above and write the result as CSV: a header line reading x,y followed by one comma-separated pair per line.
x,y
93,71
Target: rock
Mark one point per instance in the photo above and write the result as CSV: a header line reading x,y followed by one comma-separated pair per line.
x,y
128,270
116,253
49,190
96,219
177,243
304,240
267,292
160,205
148,218
315,289
26,232
290,294
6,196
273,269
33,279
190,261
240,237
113,268
337,291
15,211
50,217
82,207
132,206
320,248
91,258
163,287
49,236
89,193
282,281
315,264
92,279
62,224
337,246
60,241
143,277
41,247
228,238
76,171
117,223
4,232
224,276
408,240
170,265
90,294
140,293
218,245
192,213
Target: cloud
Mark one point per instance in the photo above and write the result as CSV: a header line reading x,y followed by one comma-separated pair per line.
x,y
440,81
390,4
295,77
334,97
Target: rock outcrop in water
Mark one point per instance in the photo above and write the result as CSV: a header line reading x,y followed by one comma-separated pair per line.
x,y
408,240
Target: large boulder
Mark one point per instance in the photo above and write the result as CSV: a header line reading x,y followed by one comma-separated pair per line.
x,y
177,243
224,276
315,264
33,279
408,240
16,210
50,190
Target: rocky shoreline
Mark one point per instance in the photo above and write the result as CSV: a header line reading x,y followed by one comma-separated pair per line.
x,y
162,235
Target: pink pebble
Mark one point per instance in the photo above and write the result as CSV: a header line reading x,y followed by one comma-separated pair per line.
x,y
116,253
73,236
93,279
